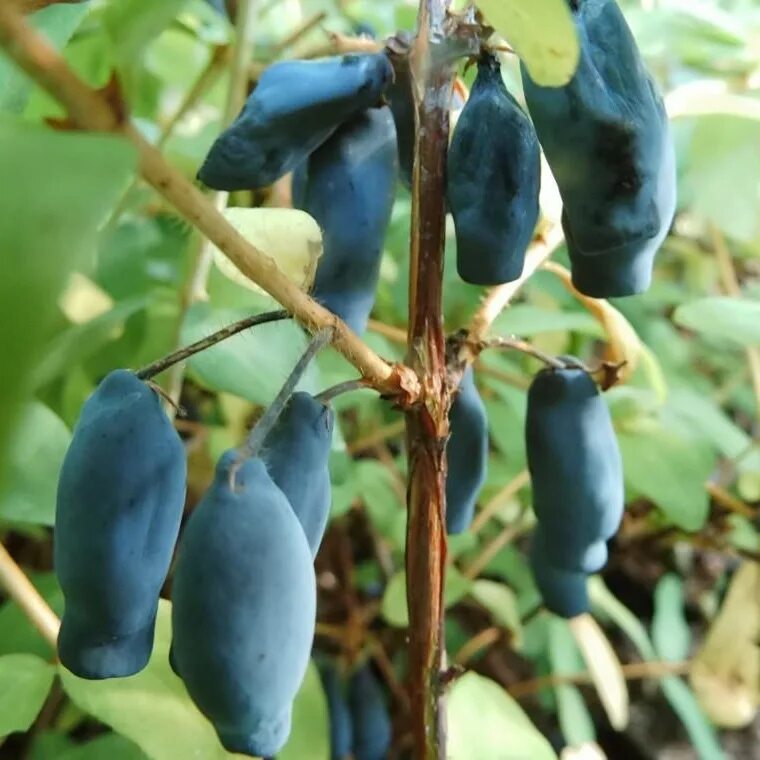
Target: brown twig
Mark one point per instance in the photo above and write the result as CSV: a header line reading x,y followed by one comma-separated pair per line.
x,y
732,287
491,549
393,430
394,334
210,340
523,346
91,109
509,491
29,6
634,671
480,641
21,590
730,502
298,33
498,298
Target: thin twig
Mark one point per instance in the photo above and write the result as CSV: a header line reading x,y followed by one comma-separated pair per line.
x,y
90,109
523,346
498,298
267,421
393,430
220,56
730,502
210,340
21,590
635,671
509,491
477,643
492,548
298,33
348,386
732,287
395,334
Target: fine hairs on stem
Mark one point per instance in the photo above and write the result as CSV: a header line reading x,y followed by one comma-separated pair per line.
x,y
267,421
210,340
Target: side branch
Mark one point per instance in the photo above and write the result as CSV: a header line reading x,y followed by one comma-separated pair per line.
x,y
498,298
90,109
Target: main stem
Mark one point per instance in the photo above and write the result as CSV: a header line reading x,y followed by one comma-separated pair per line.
x,y
427,423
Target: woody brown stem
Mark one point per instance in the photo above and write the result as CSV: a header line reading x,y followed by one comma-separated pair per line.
x,y
427,423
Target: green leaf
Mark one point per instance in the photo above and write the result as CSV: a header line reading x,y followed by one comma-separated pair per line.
x,y
309,737
17,634
671,471
501,602
111,746
63,187
394,601
58,23
734,320
81,341
25,681
486,722
527,320
542,33
132,24
678,694
254,363
670,631
374,483
574,717
394,607
154,710
35,455
724,163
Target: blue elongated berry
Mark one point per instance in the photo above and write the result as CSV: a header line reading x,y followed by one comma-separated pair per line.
x,y
295,107
494,178
605,135
244,606
121,494
296,454
466,453
575,466
369,712
564,591
341,725
350,189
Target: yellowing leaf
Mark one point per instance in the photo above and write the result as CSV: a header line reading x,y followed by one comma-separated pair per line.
x,y
725,674
542,33
624,346
604,667
290,237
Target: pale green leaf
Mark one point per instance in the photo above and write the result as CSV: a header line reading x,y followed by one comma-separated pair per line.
x,y
733,320
670,631
501,602
671,471
154,710
254,363
486,723
541,32
58,23
574,717
63,187
25,681
35,455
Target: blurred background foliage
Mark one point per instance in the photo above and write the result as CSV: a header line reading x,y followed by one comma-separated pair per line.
x,y
94,279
